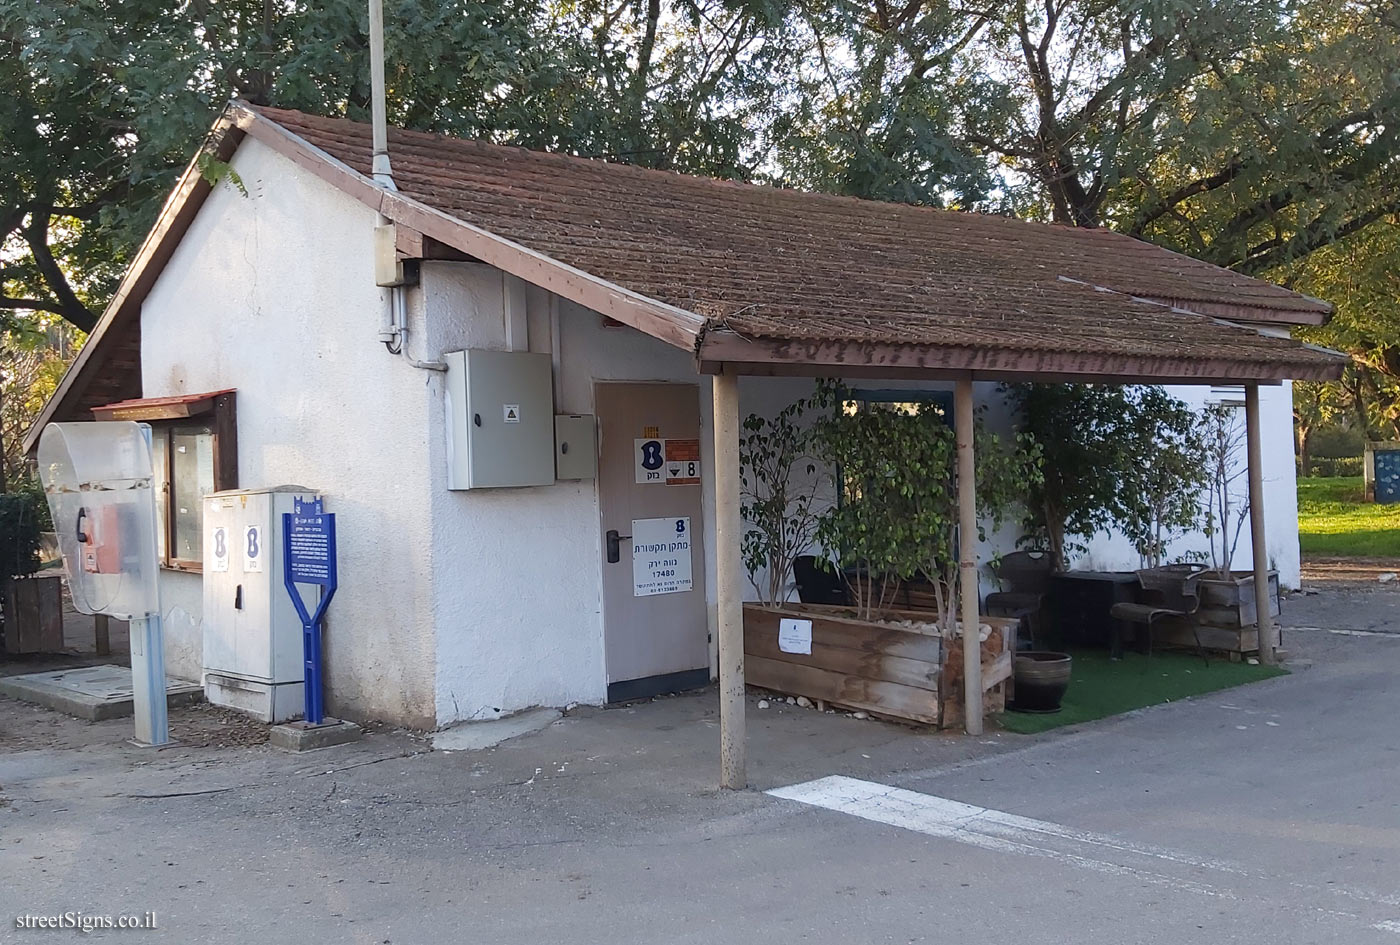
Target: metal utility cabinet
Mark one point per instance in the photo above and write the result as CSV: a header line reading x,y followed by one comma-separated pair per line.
x,y
252,635
500,419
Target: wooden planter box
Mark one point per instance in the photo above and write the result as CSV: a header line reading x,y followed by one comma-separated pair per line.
x,y
34,615
1228,620
876,667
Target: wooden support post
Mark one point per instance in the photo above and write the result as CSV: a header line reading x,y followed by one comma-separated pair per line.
x,y
729,594
1268,636
963,416
102,639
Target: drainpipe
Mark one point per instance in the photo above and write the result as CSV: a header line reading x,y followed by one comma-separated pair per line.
x,y
379,163
393,325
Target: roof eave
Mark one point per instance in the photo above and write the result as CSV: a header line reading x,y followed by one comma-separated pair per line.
x,y
1253,314
728,352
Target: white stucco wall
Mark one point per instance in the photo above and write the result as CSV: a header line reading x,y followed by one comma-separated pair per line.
x,y
518,572
273,294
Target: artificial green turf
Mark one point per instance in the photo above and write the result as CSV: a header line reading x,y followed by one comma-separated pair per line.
x,y
1100,687
1334,520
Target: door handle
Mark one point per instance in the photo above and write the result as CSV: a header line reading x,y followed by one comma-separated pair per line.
x,y
615,545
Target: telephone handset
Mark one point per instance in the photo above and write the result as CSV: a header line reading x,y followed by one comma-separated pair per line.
x,y
98,540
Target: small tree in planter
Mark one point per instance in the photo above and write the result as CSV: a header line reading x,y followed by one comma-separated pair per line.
x,y
1077,428
1159,496
1226,509
780,521
1227,598
897,520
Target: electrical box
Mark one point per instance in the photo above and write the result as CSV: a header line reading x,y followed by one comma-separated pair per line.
x,y
500,419
252,634
575,447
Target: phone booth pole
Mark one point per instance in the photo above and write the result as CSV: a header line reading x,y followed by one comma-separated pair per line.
x,y
308,555
148,680
147,642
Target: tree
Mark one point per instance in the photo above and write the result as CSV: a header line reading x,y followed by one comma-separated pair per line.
x,y
1223,439
108,102
1362,273
32,359
1317,405
896,473
779,485
1079,431
1160,487
1249,134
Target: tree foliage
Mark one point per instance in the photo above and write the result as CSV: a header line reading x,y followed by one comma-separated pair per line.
x,y
107,102
1159,493
896,474
1127,457
1223,437
779,492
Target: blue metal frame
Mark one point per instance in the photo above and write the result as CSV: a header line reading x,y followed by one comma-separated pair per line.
x,y
312,691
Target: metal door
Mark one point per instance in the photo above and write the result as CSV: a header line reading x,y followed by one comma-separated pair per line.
x,y
655,634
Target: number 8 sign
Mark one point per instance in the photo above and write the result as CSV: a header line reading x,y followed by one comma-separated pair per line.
x,y
252,549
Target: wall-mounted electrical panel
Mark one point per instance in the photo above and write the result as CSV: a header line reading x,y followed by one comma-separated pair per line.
x,y
575,447
500,419
252,634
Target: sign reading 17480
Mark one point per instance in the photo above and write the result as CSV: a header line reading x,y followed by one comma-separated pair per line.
x,y
660,556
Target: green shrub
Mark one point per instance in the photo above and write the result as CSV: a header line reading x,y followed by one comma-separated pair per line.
x,y
1337,443
1340,466
23,515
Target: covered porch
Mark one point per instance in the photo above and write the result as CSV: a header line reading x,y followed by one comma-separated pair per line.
x,y
1192,351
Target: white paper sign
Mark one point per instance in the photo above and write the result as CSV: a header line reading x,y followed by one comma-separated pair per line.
x,y
660,556
651,458
218,541
795,636
253,549
511,413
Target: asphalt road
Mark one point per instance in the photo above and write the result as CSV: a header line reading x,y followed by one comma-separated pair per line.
x,y
1268,814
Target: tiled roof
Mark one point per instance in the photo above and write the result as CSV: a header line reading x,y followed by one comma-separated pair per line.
x,y
788,265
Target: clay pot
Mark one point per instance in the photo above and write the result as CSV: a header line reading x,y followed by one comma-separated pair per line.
x,y
1041,680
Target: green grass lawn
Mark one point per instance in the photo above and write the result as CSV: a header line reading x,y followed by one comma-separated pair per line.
x,y
1100,687
1333,519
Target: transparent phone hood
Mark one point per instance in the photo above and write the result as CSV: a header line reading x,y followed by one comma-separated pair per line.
x,y
98,480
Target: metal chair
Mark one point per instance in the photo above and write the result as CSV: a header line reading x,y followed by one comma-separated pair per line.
x,y
818,582
1027,573
1168,591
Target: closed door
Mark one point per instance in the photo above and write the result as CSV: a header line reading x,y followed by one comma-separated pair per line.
x,y
655,633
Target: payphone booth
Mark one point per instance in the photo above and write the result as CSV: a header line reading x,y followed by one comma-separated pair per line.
x,y
98,481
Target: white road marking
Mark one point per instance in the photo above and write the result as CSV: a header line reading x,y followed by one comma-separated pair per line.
x,y
1003,832
1349,633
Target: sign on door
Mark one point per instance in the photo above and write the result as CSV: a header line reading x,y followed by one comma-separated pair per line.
x,y
674,462
660,556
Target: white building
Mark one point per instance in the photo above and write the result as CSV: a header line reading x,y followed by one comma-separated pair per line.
x,y
254,305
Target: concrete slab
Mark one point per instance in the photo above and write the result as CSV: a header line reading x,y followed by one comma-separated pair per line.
x,y
91,692
303,736
474,736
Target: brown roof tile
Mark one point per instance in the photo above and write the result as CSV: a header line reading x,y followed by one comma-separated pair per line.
x,y
783,264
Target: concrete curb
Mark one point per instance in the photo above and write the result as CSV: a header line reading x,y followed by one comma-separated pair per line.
x,y
41,689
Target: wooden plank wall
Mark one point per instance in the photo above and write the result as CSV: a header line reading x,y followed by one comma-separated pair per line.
x,y
885,670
